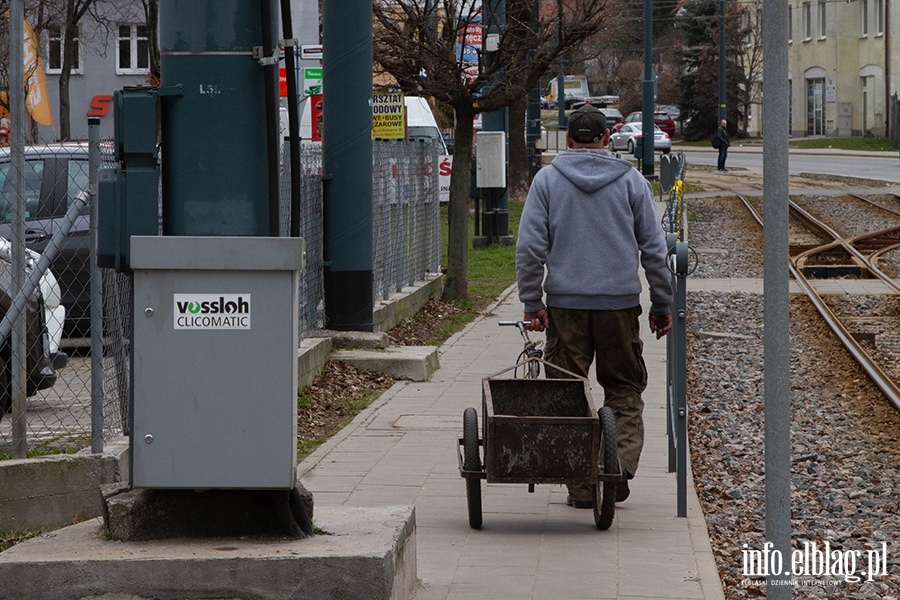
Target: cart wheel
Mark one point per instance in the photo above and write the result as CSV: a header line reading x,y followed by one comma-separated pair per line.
x,y
605,491
472,462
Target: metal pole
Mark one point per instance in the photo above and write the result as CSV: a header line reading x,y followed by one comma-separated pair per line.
x,y
722,94
218,193
886,20
776,340
680,334
494,23
347,146
17,124
96,296
648,92
561,77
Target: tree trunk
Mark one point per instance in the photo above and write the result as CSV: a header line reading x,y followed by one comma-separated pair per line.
x,y
65,127
151,13
519,169
456,286
70,31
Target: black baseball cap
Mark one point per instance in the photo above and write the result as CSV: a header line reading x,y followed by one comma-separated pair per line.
x,y
587,124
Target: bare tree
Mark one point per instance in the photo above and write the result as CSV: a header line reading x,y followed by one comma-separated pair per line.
x,y
151,17
75,10
749,60
416,42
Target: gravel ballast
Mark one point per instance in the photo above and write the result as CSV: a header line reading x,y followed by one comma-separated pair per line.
x,y
845,437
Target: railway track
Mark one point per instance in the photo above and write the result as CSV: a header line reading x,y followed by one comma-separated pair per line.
x,y
845,468
853,253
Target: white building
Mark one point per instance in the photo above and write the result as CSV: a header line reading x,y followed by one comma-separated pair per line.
x,y
839,66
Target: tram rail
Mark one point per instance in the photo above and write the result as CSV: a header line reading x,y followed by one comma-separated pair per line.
x,y
840,254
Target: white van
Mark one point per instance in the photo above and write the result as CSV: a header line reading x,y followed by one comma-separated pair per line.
x,y
421,125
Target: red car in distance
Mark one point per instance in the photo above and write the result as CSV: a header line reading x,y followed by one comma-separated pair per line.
x,y
661,119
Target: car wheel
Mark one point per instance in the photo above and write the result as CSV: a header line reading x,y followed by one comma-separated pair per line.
x,y
631,146
667,150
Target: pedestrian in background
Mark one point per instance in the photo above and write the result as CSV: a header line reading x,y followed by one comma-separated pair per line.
x,y
720,141
590,219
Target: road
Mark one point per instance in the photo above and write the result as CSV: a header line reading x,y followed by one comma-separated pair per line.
x,y
882,166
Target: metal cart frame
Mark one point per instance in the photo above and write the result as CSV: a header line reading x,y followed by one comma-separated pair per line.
x,y
540,431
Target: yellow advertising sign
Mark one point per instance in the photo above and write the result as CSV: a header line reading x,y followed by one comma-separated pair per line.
x,y
36,100
388,117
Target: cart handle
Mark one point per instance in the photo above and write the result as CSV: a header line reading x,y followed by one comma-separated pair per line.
x,y
520,324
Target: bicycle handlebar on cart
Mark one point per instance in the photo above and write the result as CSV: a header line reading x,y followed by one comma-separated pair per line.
x,y
520,324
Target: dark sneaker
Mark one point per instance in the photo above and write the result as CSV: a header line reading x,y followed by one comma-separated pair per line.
x,y
580,503
622,491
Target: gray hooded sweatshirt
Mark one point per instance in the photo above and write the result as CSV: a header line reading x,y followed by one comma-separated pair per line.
x,y
590,218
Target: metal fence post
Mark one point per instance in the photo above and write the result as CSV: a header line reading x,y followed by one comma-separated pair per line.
x,y
96,295
680,342
18,358
676,346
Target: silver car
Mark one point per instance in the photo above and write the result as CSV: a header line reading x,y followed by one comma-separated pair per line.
x,y
626,138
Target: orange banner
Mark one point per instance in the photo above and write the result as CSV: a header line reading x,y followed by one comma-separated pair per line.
x,y
36,99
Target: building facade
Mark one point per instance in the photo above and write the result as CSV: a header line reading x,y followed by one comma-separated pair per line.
x,y
840,56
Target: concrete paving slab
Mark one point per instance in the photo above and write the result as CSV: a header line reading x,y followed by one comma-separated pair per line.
x,y
416,363
560,548
367,553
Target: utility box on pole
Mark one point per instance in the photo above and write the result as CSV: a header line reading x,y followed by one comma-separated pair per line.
x,y
490,159
215,362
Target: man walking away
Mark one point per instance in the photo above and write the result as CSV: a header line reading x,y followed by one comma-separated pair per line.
x,y
721,139
590,219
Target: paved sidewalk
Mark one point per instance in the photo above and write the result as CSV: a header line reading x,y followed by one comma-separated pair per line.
x,y
403,449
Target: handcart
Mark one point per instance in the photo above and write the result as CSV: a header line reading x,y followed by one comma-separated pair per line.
x,y
539,431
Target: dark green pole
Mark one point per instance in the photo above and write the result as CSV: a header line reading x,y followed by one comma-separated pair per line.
x,y
215,139
722,94
496,213
347,146
533,105
648,92
561,76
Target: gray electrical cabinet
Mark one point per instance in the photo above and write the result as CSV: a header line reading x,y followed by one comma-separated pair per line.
x,y
490,159
215,362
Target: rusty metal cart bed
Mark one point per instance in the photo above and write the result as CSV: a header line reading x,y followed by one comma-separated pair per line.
x,y
540,431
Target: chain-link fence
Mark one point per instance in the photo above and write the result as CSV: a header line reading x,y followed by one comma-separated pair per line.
x,y
57,224
88,399
312,289
405,215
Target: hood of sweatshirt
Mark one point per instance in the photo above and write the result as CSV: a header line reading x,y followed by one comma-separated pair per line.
x,y
590,170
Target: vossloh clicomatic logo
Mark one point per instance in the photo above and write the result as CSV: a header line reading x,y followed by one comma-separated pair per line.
x,y
212,311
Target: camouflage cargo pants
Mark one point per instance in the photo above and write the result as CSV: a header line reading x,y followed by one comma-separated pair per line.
x,y
576,337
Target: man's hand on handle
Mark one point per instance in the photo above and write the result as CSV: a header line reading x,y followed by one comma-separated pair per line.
x,y
539,320
660,324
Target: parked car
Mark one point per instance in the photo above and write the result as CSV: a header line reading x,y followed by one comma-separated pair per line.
x,y
55,175
54,312
613,117
660,118
38,364
670,109
626,138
